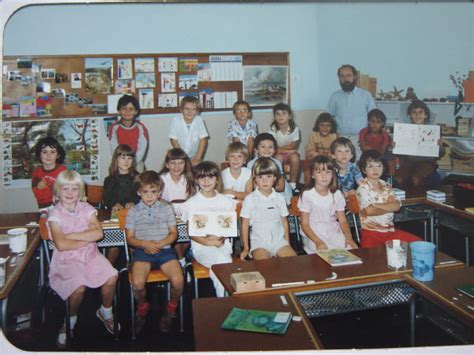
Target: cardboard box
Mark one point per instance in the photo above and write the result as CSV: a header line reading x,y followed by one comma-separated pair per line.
x,y
247,281
468,90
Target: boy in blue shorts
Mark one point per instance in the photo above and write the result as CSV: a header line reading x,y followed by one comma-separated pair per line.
x,y
151,229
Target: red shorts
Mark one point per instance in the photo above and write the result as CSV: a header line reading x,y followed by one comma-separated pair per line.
x,y
370,239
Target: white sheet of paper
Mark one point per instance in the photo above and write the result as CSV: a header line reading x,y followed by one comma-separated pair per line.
x,y
222,224
418,140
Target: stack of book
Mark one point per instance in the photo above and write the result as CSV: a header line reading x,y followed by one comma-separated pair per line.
x,y
435,195
399,194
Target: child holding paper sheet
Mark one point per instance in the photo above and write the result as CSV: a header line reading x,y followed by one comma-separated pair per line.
x,y
417,171
209,249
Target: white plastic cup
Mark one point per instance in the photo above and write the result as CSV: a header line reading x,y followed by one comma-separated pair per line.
x,y
17,239
396,254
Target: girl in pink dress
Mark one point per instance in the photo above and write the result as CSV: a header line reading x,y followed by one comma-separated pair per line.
x,y
323,220
76,262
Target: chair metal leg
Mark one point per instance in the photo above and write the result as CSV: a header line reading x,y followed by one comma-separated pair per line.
x,y
412,319
4,303
466,241
354,219
181,316
132,312
68,325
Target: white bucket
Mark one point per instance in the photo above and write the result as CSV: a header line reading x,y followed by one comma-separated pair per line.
x,y
17,239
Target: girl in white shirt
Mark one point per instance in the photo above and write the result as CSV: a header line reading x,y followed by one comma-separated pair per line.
x,y
287,135
209,249
178,185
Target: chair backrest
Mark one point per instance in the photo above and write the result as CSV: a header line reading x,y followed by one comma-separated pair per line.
x,y
353,203
224,165
95,195
294,210
354,208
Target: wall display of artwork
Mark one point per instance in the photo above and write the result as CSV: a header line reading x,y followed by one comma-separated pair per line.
x,y
78,137
60,87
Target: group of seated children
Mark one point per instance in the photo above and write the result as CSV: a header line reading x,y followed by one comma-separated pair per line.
x,y
151,220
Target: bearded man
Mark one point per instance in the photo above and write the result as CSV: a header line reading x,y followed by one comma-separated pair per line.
x,y
351,104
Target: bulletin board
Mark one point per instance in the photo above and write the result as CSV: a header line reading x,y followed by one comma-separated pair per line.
x,y
90,85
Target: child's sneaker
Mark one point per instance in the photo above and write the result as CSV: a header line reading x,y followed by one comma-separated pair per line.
x,y
166,321
139,323
108,322
62,338
140,319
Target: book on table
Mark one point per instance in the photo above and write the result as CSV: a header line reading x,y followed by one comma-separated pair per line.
x,y
338,257
467,289
249,320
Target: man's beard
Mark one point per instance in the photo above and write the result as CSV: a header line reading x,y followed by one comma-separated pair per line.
x,y
348,86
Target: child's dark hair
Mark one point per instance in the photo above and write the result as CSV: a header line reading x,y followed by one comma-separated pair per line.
x,y
369,156
282,107
265,166
129,99
265,137
179,154
345,142
321,162
378,114
325,117
52,143
122,149
241,103
419,104
206,169
149,177
190,100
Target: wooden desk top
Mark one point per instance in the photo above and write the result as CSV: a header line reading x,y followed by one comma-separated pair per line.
x,y
304,268
442,291
14,220
209,313
14,271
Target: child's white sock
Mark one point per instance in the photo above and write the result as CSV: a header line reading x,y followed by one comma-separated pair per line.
x,y
182,262
72,321
106,312
293,185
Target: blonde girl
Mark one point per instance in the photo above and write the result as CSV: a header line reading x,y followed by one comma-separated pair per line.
x,y
323,220
76,262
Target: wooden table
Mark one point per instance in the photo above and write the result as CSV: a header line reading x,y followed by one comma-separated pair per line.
x,y
16,264
209,313
304,268
442,291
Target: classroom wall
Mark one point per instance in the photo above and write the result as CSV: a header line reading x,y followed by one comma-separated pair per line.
x,y
415,45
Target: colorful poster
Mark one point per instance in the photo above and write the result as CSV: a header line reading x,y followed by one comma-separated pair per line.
x,y
144,65
124,69
265,85
78,137
99,75
167,64
146,99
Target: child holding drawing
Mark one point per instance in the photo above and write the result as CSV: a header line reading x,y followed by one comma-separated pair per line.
x,y
417,171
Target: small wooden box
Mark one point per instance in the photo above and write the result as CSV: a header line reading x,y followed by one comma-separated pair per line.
x,y
247,281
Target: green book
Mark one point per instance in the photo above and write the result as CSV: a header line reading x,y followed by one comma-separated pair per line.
x,y
467,289
249,320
